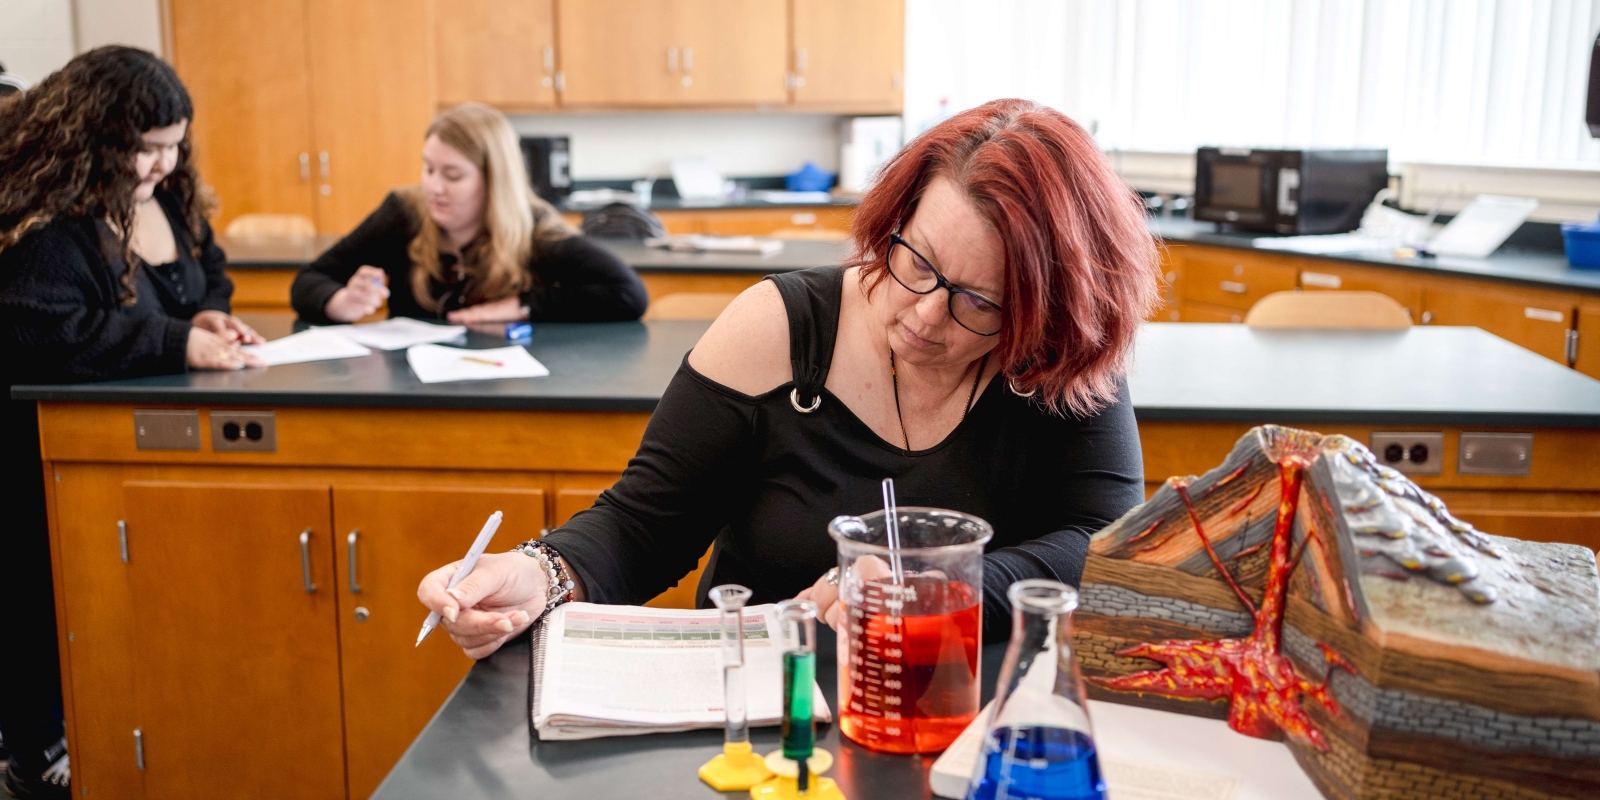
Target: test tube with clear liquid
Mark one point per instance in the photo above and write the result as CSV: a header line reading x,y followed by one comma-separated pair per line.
x,y
1038,742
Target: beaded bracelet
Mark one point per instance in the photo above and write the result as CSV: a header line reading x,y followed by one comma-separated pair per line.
x,y
560,583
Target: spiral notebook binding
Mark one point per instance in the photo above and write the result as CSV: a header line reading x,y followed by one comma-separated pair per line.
x,y
536,672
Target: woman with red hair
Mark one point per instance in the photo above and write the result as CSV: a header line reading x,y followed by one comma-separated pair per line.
x,y
973,349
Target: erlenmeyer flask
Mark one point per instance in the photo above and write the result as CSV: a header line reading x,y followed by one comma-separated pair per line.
x,y
1038,743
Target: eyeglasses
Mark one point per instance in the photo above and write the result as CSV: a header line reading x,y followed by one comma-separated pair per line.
x,y
972,311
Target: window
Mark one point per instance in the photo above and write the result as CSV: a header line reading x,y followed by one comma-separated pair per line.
x,y
1475,82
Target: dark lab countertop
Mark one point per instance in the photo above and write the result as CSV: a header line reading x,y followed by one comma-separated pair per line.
x,y
1185,371
282,254
1542,268
728,203
478,746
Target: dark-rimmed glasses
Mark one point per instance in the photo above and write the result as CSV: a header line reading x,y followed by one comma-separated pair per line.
x,y
972,311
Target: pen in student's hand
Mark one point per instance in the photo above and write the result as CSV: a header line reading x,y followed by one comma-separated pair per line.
x,y
478,546
483,361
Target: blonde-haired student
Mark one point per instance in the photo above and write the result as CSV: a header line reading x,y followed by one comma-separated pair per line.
x,y
471,244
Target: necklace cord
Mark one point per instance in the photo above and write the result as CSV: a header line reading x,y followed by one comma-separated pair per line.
x,y
894,378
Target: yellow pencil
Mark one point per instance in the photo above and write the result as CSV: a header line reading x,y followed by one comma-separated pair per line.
x,y
484,361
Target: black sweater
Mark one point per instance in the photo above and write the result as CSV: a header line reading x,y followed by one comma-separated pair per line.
x,y
61,313
576,279
764,480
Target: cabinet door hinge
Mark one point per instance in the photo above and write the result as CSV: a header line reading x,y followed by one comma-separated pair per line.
x,y
1572,348
122,538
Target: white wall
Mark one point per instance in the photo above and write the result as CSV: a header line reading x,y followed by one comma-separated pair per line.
x,y
131,22
35,37
632,145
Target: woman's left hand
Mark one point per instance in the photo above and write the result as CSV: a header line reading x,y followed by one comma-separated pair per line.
x,y
227,326
507,309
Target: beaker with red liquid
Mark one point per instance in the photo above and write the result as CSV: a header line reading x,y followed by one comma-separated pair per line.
x,y
910,627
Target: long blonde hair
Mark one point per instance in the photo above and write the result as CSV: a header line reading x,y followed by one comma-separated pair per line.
x,y
515,220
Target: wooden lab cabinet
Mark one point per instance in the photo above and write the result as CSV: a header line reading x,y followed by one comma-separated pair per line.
x,y
1232,279
1587,338
309,107
672,53
1537,319
1317,276
848,55
500,52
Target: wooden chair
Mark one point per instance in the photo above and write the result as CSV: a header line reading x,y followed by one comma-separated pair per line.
x,y
689,305
1320,309
293,226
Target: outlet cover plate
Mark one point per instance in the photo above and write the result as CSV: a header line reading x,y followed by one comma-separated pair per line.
x,y
244,431
1495,453
166,429
1431,442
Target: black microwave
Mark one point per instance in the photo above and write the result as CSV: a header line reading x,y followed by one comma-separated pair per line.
x,y
549,162
1287,191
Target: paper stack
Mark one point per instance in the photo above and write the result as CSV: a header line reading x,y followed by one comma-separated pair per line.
x,y
435,364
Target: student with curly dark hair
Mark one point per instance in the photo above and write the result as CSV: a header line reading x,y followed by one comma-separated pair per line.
x,y
107,270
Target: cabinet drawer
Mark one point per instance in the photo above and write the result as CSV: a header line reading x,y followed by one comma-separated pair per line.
x,y
1204,312
1233,280
1537,320
1328,276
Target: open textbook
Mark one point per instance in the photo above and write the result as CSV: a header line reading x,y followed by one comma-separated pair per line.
x,y
603,670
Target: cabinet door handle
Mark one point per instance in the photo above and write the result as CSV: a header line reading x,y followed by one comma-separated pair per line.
x,y
1234,287
800,60
355,588
305,561
122,538
322,159
549,58
688,59
138,748
305,166
672,59
1543,314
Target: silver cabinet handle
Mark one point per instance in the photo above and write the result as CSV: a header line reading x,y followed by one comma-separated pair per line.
x,y
305,561
1235,287
122,538
688,59
305,166
672,59
355,588
800,60
138,748
322,159
549,59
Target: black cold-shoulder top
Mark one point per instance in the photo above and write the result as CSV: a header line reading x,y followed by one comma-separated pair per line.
x,y
762,480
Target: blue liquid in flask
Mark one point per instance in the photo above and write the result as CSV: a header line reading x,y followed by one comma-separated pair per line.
x,y
1039,763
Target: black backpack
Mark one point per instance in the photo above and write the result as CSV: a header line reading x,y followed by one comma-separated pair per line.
x,y
622,221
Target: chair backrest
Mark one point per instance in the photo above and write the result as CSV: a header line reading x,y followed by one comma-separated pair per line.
x,y
689,305
287,225
1319,309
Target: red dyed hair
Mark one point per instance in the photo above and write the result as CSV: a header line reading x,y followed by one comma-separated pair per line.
x,y
1081,268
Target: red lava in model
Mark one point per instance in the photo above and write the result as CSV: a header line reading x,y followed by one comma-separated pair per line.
x,y
1262,686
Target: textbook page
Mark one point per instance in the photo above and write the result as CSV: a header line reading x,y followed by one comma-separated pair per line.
x,y
397,333
618,670
311,345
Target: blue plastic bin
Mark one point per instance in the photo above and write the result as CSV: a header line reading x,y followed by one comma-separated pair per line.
x,y
1583,243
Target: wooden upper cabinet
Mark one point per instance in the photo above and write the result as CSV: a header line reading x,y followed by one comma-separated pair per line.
x,y
371,99
236,659
1536,319
671,53
733,51
500,52
849,55
244,64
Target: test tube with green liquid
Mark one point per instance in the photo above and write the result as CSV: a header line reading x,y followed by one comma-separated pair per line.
x,y
798,619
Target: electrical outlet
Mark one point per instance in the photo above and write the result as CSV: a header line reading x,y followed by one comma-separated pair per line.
x,y
1413,453
244,431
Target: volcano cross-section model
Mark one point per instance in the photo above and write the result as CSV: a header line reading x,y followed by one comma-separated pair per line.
x,y
1305,592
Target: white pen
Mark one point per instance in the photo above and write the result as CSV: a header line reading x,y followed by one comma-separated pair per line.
x,y
478,546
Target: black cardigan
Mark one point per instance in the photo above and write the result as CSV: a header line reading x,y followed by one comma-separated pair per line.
x,y
61,312
577,280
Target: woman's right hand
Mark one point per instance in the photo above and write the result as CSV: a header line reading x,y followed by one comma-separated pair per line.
x,y
363,294
207,350
504,594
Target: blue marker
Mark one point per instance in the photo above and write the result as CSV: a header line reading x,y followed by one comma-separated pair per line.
x,y
519,332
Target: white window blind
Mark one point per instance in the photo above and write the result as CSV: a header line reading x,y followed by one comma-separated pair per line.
x,y
1476,82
